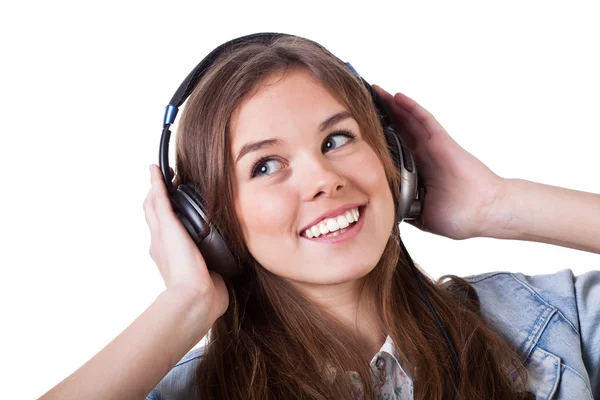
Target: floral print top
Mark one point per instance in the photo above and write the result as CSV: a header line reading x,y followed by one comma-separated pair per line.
x,y
390,380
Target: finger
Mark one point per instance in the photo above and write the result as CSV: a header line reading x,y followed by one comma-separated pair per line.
x,y
157,180
404,120
160,199
152,221
431,125
149,213
404,109
401,104
409,128
221,287
415,131
387,97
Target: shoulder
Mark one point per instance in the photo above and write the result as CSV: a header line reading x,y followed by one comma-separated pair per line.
x,y
541,316
562,294
522,296
180,382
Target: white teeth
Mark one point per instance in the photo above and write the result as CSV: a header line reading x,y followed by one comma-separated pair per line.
x,y
315,231
335,233
333,224
350,216
342,221
323,228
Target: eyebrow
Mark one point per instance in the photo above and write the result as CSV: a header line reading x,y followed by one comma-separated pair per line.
x,y
255,146
334,119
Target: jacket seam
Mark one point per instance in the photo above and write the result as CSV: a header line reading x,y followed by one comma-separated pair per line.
x,y
581,377
484,276
539,329
187,361
544,302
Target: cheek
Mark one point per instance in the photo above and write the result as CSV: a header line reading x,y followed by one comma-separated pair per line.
x,y
264,214
372,174
374,182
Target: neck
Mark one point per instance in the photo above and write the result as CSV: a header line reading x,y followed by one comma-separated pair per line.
x,y
353,308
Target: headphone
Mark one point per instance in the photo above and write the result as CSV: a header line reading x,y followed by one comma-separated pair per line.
x,y
188,204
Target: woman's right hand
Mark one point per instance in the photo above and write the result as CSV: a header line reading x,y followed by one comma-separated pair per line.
x,y
179,261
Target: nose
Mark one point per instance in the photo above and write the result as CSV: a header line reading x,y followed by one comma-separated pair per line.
x,y
321,178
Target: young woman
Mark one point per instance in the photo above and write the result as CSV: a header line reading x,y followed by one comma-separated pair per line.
x,y
285,144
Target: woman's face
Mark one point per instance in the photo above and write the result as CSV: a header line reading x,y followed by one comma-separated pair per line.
x,y
310,168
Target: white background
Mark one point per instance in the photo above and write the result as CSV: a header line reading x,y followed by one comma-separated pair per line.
x,y
83,91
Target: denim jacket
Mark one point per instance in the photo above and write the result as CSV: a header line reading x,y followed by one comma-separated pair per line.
x,y
553,319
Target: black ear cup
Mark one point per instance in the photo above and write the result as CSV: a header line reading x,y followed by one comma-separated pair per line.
x,y
188,206
190,211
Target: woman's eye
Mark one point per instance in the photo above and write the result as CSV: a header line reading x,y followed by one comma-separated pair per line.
x,y
264,167
337,139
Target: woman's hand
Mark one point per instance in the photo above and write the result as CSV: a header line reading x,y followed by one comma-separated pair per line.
x,y
181,264
461,190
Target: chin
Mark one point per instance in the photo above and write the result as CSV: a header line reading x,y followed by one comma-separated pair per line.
x,y
340,273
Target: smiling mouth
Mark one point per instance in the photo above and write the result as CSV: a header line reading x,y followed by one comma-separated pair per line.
x,y
340,235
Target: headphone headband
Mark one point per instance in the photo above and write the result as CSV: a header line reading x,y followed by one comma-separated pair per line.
x,y
197,73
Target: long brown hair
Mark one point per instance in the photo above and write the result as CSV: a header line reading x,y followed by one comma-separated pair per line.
x,y
273,342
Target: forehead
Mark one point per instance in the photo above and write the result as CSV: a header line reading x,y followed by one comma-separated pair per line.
x,y
284,102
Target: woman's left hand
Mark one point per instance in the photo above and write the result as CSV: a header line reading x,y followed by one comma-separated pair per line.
x,y
461,190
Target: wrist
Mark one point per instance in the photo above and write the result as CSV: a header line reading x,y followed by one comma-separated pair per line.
x,y
194,314
501,221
